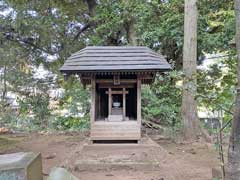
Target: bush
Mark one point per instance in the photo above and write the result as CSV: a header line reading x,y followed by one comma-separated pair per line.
x,y
161,102
72,123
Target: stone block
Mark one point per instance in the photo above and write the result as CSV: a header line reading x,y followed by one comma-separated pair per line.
x,y
21,166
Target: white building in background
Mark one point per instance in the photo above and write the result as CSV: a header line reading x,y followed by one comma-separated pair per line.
x,y
12,100
212,119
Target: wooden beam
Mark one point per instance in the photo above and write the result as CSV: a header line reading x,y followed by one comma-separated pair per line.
x,y
109,101
111,81
145,76
93,99
124,103
139,116
117,92
86,78
101,86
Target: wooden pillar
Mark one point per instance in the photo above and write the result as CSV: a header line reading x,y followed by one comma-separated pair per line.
x,y
124,103
99,105
139,117
109,101
93,99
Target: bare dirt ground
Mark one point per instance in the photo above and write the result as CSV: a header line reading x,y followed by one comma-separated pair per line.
x,y
184,161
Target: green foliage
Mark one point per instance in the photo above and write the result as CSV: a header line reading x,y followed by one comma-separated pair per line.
x,y
72,123
161,28
76,101
47,32
161,102
216,86
34,33
159,25
216,25
37,105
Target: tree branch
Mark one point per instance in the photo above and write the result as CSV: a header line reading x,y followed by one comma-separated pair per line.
x,y
12,36
84,28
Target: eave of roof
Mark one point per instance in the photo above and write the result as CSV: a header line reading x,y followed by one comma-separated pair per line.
x,y
115,59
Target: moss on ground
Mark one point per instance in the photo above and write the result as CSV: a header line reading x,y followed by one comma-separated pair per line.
x,y
8,142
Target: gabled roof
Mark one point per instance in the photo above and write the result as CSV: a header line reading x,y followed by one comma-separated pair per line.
x,y
115,59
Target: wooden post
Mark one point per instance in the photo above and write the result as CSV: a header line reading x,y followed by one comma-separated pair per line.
x,y
124,103
109,101
139,117
99,106
93,99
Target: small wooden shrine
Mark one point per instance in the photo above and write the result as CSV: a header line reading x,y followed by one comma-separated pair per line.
x,y
116,75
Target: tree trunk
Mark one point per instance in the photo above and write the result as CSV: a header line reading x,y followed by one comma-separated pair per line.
x,y
131,32
191,126
4,92
130,25
234,142
92,7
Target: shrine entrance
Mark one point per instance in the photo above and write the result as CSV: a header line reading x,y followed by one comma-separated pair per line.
x,y
116,104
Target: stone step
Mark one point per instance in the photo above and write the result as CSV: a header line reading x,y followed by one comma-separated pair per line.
x,y
95,165
103,157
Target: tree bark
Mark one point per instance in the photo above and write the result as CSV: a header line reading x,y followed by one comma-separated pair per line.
x,y
4,92
131,32
191,126
91,7
129,26
234,142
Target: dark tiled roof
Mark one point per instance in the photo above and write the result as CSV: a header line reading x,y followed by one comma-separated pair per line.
x,y
115,58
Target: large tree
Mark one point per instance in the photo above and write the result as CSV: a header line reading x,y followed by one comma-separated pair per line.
x,y
32,31
189,106
234,143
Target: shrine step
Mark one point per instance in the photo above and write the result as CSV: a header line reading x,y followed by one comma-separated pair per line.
x,y
117,111
124,130
115,134
100,157
115,118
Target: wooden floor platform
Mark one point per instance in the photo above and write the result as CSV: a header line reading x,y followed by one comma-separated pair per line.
x,y
124,130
